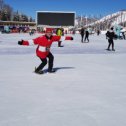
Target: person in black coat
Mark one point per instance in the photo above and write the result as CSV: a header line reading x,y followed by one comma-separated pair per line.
x,y
98,32
110,35
82,31
86,36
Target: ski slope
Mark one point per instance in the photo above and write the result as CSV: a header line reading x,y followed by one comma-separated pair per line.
x,y
115,19
88,89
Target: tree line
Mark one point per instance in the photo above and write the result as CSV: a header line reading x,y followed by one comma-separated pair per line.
x,y
7,14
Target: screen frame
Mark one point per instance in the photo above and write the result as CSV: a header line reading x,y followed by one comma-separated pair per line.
x,y
65,12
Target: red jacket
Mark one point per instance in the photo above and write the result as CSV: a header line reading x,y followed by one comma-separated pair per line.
x,y
44,43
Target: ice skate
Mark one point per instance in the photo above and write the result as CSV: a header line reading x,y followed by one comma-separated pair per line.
x,y
38,71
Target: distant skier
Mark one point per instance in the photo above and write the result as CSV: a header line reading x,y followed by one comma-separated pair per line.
x,y
110,35
43,49
86,36
82,31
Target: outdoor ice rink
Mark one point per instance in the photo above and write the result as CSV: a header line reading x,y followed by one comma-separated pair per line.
x,y
88,89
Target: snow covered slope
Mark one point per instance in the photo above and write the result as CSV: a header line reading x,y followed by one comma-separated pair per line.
x,y
115,18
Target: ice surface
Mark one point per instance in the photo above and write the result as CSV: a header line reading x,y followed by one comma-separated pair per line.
x,y
88,89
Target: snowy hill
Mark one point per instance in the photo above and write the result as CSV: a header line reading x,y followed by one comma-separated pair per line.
x,y
115,18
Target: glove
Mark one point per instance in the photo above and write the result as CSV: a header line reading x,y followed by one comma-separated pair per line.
x,y
72,38
20,42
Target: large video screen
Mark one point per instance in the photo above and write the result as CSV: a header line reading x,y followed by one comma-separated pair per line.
x,y
55,18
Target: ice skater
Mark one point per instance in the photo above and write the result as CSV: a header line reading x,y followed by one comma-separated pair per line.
x,y
59,32
82,34
43,49
110,35
86,36
98,32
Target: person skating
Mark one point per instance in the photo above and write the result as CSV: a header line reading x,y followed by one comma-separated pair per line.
x,y
43,49
98,32
123,34
86,36
82,31
110,35
59,32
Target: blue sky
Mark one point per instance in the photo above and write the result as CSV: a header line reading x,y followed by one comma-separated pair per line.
x,y
81,7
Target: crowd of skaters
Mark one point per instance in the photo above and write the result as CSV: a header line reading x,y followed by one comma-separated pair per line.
x,y
84,32
45,41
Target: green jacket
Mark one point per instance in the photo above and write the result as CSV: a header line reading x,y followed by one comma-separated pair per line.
x,y
59,32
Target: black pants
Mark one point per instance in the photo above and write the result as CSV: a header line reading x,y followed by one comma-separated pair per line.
x,y
86,38
110,41
44,62
82,37
124,36
59,43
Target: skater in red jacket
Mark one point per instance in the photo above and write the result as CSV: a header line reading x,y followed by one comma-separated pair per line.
x,y
43,49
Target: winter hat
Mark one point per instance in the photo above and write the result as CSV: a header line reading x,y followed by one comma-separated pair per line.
x,y
48,30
